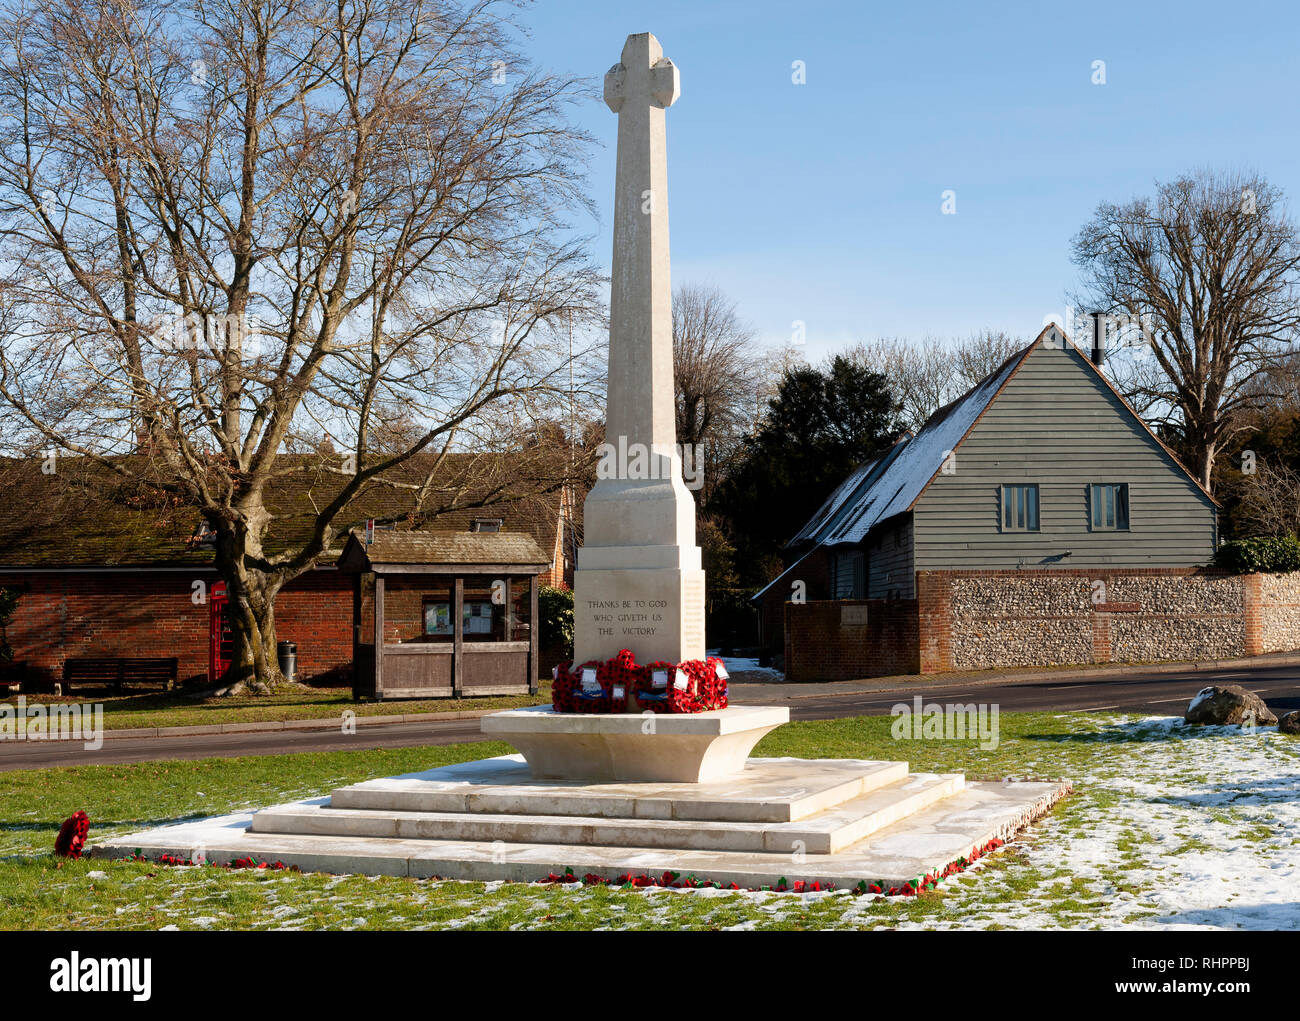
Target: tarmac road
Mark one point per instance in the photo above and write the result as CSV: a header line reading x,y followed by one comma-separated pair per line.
x,y
42,754
1158,693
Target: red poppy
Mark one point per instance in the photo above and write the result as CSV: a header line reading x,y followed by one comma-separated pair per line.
x,y
72,835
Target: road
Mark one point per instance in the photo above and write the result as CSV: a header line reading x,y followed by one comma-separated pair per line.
x,y
41,754
1156,693
1165,694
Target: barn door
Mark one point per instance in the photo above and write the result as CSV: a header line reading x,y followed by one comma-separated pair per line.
x,y
221,639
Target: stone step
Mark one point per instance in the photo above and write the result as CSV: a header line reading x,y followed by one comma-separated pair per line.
x,y
909,848
826,832
768,790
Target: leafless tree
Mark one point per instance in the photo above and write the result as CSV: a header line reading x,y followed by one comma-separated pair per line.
x,y
982,354
717,371
1270,501
232,226
1207,269
927,374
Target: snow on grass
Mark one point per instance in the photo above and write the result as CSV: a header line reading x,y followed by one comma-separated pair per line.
x,y
743,664
1199,828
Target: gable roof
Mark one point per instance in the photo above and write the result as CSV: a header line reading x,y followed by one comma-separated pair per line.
x,y
76,518
892,484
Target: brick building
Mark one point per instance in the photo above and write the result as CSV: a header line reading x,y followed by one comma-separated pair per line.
x,y
130,577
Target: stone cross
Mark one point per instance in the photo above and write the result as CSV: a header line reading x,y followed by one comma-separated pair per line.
x,y
639,89
639,583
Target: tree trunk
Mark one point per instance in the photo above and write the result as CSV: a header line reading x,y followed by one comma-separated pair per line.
x,y
255,667
1204,444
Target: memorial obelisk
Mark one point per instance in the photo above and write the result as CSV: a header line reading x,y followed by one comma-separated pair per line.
x,y
638,583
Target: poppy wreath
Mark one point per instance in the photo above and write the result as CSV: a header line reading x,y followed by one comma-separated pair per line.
x,y
562,688
693,686
715,681
72,835
653,692
704,688
619,677
569,696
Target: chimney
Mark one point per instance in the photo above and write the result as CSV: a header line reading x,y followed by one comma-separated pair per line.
x,y
1098,338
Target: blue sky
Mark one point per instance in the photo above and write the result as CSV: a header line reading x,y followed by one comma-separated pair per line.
x,y
822,202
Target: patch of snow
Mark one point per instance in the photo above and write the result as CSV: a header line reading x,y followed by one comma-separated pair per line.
x,y
1199,832
741,664
1204,695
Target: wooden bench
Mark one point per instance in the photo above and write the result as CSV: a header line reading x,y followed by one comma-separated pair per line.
x,y
115,673
13,675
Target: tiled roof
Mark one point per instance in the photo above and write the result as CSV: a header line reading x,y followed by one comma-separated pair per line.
x,y
454,548
78,517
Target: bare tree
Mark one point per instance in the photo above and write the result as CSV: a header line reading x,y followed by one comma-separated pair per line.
x,y
717,373
1270,501
927,374
1208,269
982,354
230,226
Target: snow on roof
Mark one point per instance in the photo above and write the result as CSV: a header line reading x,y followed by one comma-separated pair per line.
x,y
862,475
891,484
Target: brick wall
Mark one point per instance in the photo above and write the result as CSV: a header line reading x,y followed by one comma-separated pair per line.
x,y
980,620
831,640
1273,621
315,611
814,572
153,614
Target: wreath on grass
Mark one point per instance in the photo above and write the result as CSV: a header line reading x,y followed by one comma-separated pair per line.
x,y
72,835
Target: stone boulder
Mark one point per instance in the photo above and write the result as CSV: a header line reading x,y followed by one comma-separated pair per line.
x,y
1290,723
1229,703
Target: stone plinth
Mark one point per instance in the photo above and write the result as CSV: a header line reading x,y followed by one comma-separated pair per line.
x,y
689,748
833,821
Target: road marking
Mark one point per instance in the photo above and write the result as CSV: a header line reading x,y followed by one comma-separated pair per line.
x,y
1098,708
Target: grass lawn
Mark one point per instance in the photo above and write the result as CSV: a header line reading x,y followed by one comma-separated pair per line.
x,y
179,709
1169,825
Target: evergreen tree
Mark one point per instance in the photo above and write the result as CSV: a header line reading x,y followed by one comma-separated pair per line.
x,y
822,423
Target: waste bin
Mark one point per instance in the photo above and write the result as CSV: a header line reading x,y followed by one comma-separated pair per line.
x,y
287,654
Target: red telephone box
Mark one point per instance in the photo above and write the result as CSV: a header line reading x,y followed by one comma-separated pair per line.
x,y
221,639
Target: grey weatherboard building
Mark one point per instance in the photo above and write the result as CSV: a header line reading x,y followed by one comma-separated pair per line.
x,y
1042,464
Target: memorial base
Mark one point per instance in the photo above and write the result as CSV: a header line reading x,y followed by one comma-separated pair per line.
x,y
631,747
839,822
